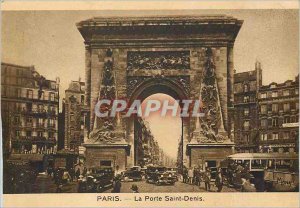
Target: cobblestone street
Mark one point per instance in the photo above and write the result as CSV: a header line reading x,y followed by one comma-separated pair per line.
x,y
45,184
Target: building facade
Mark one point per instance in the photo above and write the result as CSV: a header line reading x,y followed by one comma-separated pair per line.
x,y
246,87
75,114
29,109
266,116
279,116
146,147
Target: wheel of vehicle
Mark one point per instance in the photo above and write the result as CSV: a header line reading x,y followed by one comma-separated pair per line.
x,y
99,188
157,183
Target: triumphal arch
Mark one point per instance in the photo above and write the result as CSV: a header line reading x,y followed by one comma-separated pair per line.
x,y
185,57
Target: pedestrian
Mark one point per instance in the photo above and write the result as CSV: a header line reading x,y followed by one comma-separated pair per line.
x,y
80,187
247,186
84,172
72,173
58,176
237,179
117,171
134,188
191,175
197,176
77,173
219,181
185,175
117,184
207,177
66,178
58,180
49,171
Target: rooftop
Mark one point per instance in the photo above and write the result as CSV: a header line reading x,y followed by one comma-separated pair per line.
x,y
158,20
32,78
287,83
175,25
76,86
245,76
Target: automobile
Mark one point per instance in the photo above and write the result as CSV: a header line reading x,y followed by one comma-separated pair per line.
x,y
97,180
132,175
213,172
166,178
144,170
136,168
160,175
174,173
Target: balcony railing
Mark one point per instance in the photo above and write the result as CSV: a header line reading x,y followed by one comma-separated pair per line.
x,y
34,139
51,126
38,112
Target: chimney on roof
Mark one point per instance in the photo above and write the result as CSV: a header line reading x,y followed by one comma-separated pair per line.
x,y
258,71
32,67
257,65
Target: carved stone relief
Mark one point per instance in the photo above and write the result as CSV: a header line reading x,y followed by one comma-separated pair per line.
x,y
156,60
212,121
106,133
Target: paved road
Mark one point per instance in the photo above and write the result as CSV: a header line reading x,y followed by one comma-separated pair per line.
x,y
178,187
45,184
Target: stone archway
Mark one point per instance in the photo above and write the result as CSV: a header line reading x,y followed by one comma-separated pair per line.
x,y
185,56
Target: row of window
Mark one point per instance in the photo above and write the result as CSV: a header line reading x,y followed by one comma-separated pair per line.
x,y
273,122
277,122
29,107
275,107
245,99
19,133
275,94
276,136
279,150
27,93
13,71
36,121
74,97
269,136
245,87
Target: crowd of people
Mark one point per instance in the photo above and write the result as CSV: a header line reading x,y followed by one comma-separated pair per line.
x,y
62,176
234,176
196,176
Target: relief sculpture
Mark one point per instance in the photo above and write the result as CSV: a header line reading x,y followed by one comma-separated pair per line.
x,y
105,134
211,122
152,60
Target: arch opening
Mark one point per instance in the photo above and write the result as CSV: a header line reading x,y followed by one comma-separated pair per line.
x,y
158,140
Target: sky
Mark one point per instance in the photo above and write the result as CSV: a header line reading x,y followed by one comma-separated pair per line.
x,y
50,41
166,130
